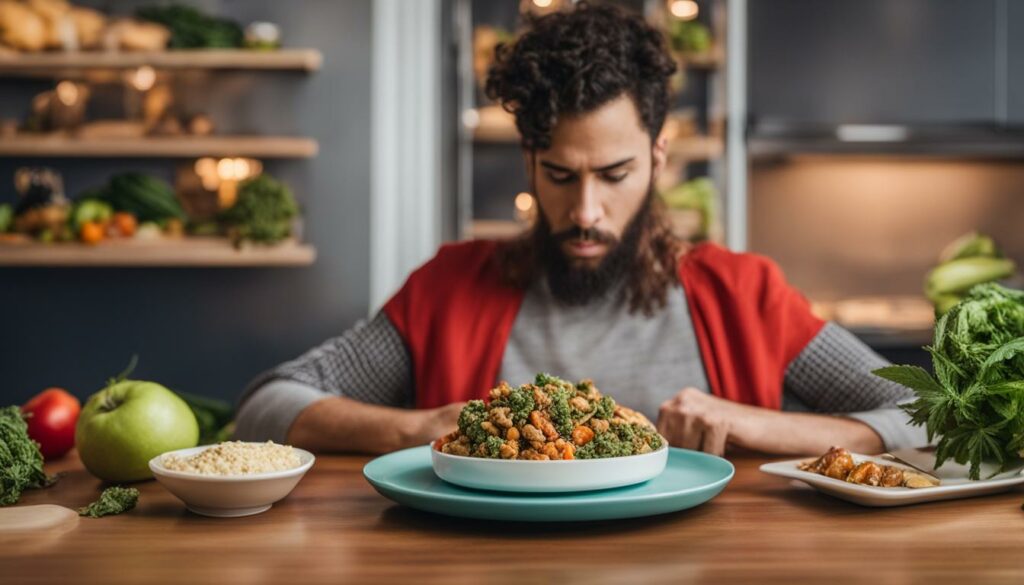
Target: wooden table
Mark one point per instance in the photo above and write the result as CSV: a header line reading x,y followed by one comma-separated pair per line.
x,y
335,528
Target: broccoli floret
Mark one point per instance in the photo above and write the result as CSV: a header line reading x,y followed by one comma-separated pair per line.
x,y
494,446
521,402
605,408
560,412
626,433
653,439
470,418
604,445
543,379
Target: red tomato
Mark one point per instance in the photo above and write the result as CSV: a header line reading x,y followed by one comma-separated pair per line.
x,y
52,424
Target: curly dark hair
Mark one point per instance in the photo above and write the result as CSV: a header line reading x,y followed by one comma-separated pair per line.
x,y
575,62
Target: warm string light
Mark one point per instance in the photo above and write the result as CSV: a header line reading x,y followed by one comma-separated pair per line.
x,y
684,9
142,79
542,3
67,93
525,207
224,175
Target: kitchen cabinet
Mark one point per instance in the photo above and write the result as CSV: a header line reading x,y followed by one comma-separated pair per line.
x,y
1014,27
877,61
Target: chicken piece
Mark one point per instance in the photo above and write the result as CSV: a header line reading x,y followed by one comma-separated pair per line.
x,y
836,463
551,451
456,448
541,398
543,423
509,450
502,390
532,455
631,416
532,433
500,416
867,473
599,425
580,403
891,476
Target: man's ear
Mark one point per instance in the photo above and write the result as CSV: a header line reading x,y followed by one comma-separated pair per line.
x,y
659,155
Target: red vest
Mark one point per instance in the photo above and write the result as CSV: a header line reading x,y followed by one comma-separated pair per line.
x,y
455,316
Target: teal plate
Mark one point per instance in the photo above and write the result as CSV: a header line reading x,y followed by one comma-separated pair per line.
x,y
690,479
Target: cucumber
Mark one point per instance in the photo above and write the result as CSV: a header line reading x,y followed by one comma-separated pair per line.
x,y
146,197
957,276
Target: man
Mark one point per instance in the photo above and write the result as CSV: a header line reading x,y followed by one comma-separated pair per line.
x,y
714,346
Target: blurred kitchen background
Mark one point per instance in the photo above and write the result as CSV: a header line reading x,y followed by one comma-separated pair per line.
x,y
853,141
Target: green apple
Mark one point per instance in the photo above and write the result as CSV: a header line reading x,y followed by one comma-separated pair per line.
x,y
128,423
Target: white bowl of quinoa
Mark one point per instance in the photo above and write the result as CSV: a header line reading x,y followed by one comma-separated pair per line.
x,y
233,478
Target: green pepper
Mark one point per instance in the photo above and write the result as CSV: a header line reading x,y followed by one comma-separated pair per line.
x,y
89,210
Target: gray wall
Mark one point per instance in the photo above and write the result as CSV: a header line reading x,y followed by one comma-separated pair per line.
x,y
873,61
208,331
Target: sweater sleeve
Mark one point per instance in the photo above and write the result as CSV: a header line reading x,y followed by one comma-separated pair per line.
x,y
368,363
833,375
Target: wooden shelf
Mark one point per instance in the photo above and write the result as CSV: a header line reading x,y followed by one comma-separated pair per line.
x,y
494,229
190,251
59,63
24,145
696,148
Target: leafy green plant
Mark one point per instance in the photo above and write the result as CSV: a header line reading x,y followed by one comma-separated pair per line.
x,y
263,212
21,463
192,29
975,401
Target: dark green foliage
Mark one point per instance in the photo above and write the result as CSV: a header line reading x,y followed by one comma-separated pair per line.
x,y
605,408
975,402
113,500
520,400
493,446
470,418
21,463
263,212
191,29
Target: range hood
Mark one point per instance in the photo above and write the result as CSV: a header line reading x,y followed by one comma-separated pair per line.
x,y
768,138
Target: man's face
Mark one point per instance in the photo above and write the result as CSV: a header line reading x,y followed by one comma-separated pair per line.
x,y
594,178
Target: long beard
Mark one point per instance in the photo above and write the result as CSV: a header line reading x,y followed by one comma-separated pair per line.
x,y
578,285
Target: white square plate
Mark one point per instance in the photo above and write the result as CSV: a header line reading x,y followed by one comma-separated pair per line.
x,y
954,481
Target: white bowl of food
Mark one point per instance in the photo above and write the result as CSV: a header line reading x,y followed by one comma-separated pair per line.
x,y
548,437
231,479
512,475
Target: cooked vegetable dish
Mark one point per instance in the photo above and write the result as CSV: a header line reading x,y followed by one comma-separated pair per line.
x,y
839,464
547,420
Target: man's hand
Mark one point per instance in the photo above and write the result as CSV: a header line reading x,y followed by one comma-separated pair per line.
x,y
424,426
697,420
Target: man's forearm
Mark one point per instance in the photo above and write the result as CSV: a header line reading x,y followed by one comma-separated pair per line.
x,y
339,424
790,433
